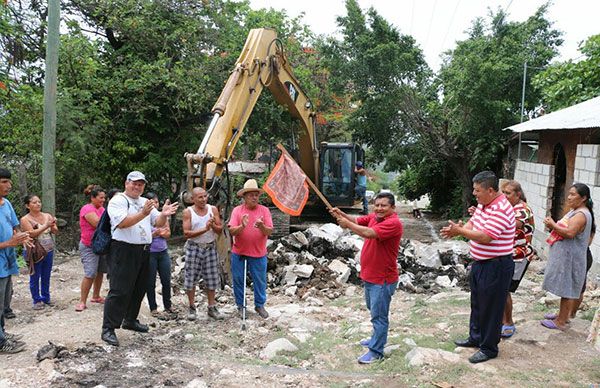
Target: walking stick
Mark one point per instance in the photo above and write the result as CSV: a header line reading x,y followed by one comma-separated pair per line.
x,y
244,303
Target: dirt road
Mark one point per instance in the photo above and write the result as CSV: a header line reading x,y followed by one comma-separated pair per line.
x,y
324,333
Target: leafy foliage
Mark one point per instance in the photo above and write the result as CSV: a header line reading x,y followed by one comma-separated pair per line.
x,y
569,83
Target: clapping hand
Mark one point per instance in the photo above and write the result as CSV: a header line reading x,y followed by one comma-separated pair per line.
x,y
169,208
260,222
147,209
245,220
20,238
210,223
471,210
452,230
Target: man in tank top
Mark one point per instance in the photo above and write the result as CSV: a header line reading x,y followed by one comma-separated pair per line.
x,y
201,225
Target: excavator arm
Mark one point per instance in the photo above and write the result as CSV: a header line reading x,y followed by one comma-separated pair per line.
x,y
261,64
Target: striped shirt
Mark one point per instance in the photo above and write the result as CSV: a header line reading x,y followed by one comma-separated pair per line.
x,y
497,220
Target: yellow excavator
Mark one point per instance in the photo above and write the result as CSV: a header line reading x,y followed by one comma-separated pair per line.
x,y
263,64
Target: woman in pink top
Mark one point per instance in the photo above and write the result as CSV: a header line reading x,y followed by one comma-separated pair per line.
x,y
89,215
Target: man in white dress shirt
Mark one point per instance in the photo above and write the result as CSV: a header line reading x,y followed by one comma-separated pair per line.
x,y
131,219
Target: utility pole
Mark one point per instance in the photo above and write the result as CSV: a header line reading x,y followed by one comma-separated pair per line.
x,y
522,106
50,85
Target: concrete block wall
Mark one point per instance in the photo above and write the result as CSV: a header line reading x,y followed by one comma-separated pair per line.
x,y
587,170
587,165
537,181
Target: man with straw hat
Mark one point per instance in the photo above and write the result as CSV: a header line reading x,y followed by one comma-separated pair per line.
x,y
250,225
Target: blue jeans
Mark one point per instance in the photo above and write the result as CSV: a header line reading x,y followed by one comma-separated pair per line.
x,y
378,298
257,266
159,262
361,192
41,276
4,291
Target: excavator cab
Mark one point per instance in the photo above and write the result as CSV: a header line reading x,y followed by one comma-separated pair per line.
x,y
337,179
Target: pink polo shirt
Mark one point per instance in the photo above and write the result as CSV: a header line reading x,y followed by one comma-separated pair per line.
x,y
251,241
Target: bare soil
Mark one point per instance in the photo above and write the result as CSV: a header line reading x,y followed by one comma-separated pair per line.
x,y
177,352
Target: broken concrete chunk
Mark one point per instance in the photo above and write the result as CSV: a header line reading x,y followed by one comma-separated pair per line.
x,y
296,241
332,229
303,270
291,291
340,268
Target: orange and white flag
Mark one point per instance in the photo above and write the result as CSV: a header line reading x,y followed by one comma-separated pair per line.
x,y
287,187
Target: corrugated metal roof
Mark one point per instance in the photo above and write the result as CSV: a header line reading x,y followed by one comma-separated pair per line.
x,y
583,115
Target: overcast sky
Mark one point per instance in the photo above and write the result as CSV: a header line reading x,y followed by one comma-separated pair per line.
x,y
438,24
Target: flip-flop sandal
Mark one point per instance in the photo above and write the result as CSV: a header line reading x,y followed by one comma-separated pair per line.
x,y
549,324
80,307
550,316
508,331
97,300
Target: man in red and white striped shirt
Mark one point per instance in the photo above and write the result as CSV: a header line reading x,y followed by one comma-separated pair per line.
x,y
491,231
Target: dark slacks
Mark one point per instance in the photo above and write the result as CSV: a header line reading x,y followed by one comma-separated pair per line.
x,y
490,280
128,281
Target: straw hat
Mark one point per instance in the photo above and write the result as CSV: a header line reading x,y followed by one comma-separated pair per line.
x,y
249,186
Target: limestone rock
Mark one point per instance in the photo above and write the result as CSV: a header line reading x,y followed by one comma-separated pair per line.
x,y
291,291
427,356
196,383
444,281
277,346
410,342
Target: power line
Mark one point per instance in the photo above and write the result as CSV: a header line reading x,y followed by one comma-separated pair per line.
x,y
430,24
412,17
449,26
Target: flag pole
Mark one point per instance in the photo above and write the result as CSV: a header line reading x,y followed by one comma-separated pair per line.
x,y
310,182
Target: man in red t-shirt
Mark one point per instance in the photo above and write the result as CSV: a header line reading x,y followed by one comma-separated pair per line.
x,y
382,231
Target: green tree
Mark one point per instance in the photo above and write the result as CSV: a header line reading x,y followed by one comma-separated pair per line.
x,y
372,66
568,83
480,84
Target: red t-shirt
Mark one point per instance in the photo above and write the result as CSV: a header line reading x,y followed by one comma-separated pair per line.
x,y
251,241
379,256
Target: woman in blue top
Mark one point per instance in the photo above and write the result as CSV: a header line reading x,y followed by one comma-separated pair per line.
x,y
160,262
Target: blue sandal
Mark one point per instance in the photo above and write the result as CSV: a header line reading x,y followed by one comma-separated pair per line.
x,y
508,331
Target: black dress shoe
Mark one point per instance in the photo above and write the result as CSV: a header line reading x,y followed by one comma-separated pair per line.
x,y
109,336
135,326
467,343
479,357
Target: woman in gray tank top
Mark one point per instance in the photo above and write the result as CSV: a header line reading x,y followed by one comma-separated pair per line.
x,y
565,273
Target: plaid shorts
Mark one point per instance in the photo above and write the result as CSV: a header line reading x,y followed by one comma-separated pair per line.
x,y
201,262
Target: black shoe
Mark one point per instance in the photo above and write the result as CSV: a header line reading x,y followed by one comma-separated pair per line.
x,y
9,315
109,336
262,312
467,343
135,326
479,357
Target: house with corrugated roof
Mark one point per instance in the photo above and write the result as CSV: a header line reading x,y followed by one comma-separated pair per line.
x,y
555,151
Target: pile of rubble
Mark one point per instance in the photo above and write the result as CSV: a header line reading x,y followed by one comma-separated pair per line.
x,y
429,268
326,258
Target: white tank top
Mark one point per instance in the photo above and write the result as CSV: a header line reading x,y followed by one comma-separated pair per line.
x,y
199,222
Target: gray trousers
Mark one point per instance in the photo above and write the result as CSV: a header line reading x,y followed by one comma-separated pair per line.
x,y
5,294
